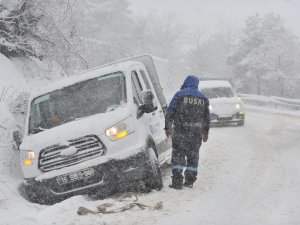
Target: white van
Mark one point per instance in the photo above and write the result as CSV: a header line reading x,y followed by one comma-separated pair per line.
x,y
98,132
225,107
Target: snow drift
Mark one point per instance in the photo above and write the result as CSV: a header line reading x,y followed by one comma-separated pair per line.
x,y
11,80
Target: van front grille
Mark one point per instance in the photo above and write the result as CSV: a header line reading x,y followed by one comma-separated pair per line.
x,y
70,153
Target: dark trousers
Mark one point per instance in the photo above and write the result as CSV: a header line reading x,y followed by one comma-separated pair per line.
x,y
185,153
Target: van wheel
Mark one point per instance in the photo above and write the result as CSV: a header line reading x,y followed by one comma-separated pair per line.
x,y
153,177
241,123
36,194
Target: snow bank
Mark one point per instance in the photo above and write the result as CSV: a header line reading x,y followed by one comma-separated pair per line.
x,y
10,170
9,157
12,82
7,124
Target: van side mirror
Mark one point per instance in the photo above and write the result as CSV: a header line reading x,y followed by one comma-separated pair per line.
x,y
147,102
18,137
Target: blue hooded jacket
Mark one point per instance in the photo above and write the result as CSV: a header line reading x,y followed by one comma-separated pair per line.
x,y
190,81
188,105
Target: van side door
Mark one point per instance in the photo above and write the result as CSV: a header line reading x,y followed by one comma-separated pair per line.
x,y
145,120
157,117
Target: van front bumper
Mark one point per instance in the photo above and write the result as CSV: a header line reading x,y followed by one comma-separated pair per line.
x,y
113,176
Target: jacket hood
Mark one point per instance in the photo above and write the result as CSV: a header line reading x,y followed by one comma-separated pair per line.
x,y
190,81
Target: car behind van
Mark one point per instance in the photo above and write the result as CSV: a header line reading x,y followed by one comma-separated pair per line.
x,y
225,107
98,132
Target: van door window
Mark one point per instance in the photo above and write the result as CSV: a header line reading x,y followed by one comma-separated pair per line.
x,y
145,79
136,87
137,82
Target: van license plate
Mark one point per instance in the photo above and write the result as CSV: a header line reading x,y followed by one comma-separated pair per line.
x,y
79,175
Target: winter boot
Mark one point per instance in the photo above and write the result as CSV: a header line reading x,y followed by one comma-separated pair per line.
x,y
188,184
189,180
177,182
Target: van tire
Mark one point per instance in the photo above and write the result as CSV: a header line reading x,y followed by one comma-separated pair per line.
x,y
153,176
36,194
241,123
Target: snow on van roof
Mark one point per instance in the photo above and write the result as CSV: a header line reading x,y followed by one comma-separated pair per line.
x,y
86,75
214,83
133,58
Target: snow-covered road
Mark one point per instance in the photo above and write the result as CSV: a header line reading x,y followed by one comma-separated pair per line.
x,y
247,175
255,176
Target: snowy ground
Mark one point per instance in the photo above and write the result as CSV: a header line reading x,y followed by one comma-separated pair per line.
x,y
248,175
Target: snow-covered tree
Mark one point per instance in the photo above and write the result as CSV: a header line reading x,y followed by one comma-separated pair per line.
x,y
105,30
208,55
161,35
41,33
266,56
71,35
18,26
109,32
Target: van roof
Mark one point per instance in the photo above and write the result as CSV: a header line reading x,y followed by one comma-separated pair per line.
x,y
85,75
135,58
214,83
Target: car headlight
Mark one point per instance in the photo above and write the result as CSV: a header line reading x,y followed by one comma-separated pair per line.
x,y
238,106
27,157
120,130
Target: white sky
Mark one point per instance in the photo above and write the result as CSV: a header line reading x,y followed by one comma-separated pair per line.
x,y
208,13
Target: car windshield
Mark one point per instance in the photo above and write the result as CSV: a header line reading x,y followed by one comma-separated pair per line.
x,y
89,97
218,92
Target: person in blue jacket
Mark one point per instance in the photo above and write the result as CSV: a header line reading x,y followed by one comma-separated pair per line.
x,y
187,122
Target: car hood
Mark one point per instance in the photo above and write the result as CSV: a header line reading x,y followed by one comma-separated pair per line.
x,y
94,124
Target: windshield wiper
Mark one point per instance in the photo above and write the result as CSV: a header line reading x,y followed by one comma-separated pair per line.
x,y
34,130
80,118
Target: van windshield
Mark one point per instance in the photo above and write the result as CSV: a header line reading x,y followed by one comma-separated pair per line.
x,y
218,92
89,97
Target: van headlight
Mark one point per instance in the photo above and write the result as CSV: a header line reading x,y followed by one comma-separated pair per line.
x,y
120,130
27,157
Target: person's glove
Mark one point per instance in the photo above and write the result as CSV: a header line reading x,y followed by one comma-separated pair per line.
x,y
204,137
168,132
